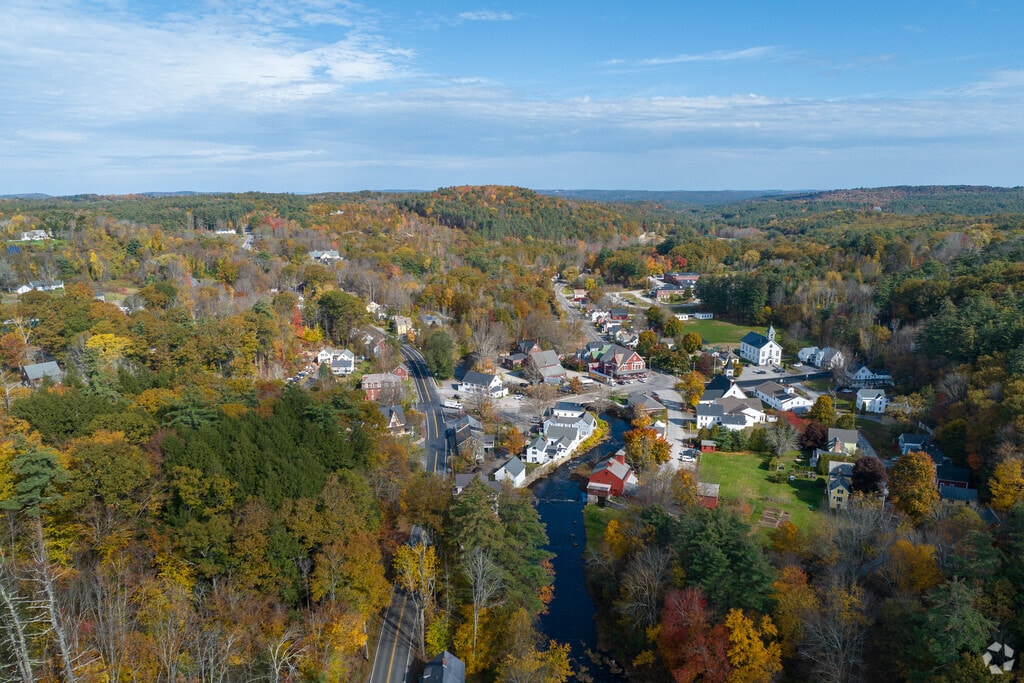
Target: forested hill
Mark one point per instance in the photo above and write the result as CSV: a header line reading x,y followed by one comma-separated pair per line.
x,y
963,200
491,211
499,211
666,197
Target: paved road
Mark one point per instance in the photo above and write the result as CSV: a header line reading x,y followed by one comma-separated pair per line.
x,y
434,442
394,649
575,316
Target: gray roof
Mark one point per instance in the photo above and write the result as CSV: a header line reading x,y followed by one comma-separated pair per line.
x,y
477,378
754,339
555,433
545,359
37,371
706,489
913,438
444,668
843,435
710,409
955,493
514,466
718,382
552,371
646,400
396,411
771,388
712,395
950,472
839,475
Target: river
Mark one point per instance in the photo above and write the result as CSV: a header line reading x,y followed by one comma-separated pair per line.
x,y
570,615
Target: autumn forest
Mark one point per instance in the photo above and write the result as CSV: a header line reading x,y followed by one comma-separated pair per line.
x,y
180,504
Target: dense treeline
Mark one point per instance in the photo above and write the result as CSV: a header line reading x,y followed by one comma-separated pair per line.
x,y
499,212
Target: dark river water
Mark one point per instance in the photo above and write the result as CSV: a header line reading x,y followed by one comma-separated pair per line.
x,y
570,616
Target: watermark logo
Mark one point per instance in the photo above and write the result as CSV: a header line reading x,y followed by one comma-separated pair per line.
x,y
998,658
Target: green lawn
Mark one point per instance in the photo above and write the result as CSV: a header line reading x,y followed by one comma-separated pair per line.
x,y
744,477
821,385
595,519
719,331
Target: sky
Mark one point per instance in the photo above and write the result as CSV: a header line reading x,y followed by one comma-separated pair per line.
x,y
124,96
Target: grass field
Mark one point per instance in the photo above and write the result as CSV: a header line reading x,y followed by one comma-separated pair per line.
x,y
744,477
719,331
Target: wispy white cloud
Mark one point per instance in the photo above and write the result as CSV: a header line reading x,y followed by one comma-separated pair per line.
x,y
750,53
109,67
317,89
485,15
1008,81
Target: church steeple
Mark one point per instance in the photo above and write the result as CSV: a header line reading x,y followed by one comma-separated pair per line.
x,y
771,333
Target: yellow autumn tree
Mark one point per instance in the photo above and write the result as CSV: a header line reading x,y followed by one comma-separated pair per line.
x,y
684,488
794,600
912,485
691,386
95,266
109,348
152,400
912,567
535,666
619,544
753,652
1007,484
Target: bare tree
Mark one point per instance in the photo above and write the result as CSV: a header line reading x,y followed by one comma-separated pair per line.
x,y
782,437
835,635
109,598
484,582
488,337
14,624
8,275
642,585
282,652
56,616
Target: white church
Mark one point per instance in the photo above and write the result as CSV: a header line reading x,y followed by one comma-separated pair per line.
x,y
760,349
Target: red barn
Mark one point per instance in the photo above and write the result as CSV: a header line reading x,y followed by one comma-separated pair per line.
x,y
610,477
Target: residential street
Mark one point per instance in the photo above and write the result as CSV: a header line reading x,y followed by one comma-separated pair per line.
x,y
395,646
434,442
574,316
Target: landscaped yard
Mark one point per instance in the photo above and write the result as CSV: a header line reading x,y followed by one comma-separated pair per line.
x,y
744,477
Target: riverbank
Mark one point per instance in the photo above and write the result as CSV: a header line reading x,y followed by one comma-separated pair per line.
x,y
599,436
570,616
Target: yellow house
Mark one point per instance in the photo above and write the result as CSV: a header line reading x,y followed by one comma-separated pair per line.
x,y
839,490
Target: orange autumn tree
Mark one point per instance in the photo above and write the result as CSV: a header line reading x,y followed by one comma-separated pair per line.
x,y
690,645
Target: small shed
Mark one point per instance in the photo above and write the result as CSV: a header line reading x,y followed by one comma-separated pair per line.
x,y
708,446
707,495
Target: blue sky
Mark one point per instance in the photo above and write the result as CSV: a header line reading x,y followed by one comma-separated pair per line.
x,y
121,96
